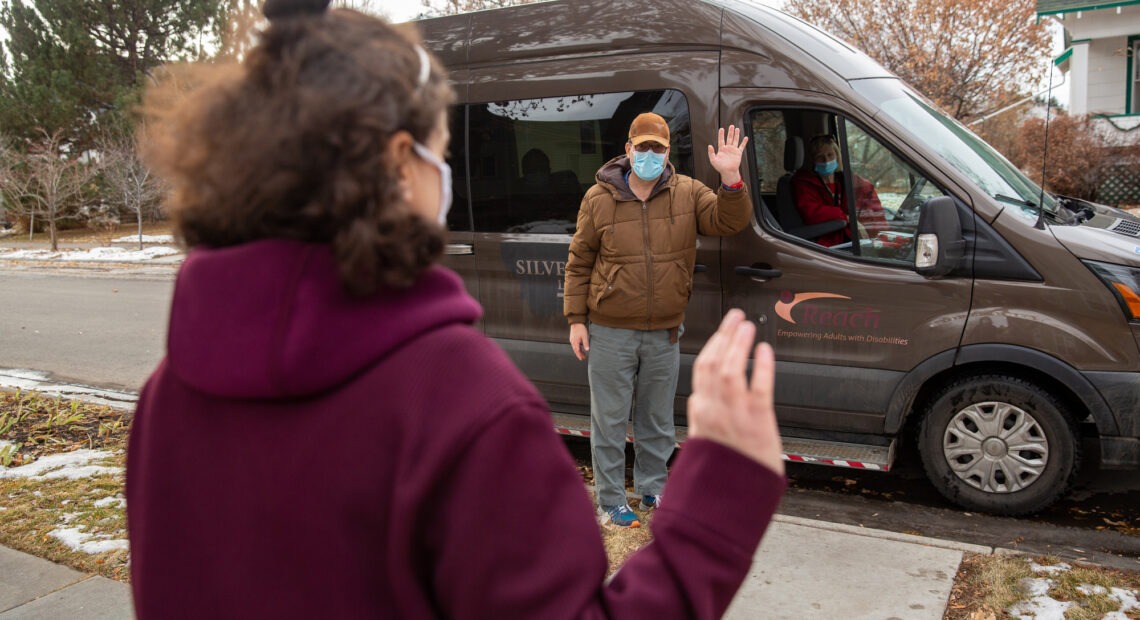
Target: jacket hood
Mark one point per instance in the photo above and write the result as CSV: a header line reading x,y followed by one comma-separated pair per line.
x,y
612,176
269,319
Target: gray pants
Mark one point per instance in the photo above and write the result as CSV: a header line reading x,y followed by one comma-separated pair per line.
x,y
622,361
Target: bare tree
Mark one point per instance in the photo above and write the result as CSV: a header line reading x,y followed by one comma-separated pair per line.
x,y
967,55
128,182
238,20
364,6
13,181
1079,162
48,182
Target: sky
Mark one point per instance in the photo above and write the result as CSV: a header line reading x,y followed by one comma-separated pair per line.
x,y
400,10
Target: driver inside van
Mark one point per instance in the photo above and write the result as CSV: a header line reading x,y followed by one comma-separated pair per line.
x,y
819,191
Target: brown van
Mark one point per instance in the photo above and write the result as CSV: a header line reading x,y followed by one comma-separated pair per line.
x,y
999,323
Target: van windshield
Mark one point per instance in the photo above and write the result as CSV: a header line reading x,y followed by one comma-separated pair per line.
x,y
959,146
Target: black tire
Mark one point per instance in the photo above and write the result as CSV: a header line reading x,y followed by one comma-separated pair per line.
x,y
965,442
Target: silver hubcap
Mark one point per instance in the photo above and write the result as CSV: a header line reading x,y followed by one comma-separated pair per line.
x,y
995,447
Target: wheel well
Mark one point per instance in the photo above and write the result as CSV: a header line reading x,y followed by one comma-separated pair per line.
x,y
1073,407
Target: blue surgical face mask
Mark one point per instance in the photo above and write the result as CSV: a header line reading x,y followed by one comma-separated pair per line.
x,y
444,179
648,165
827,169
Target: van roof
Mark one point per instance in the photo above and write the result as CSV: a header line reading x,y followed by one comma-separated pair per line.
x,y
584,27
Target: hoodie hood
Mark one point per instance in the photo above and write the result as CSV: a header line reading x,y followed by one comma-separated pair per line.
x,y
612,176
270,319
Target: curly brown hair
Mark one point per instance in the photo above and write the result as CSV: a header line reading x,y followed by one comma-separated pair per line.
x,y
292,144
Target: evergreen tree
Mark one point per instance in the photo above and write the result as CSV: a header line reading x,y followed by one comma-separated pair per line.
x,y
71,66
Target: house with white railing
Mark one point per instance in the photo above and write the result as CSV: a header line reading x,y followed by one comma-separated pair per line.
x,y
1102,66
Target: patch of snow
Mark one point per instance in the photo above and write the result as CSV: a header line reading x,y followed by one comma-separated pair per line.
x,y
1039,605
19,378
1128,602
111,255
1049,570
146,239
78,540
71,465
118,502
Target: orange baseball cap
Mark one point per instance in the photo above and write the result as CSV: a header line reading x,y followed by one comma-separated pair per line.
x,y
649,126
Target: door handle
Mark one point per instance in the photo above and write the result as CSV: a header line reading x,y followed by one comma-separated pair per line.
x,y
699,268
761,272
459,249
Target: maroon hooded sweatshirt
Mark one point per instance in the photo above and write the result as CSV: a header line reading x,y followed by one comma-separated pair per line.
x,y
303,454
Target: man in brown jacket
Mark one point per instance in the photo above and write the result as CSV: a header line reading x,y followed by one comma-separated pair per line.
x,y
629,275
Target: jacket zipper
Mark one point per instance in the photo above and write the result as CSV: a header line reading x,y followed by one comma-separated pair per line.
x,y
648,264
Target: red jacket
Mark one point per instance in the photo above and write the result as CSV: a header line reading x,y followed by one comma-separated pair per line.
x,y
818,203
302,454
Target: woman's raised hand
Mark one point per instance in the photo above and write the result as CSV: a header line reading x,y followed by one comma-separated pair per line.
x,y
728,408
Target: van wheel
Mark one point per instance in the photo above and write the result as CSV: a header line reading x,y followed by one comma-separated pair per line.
x,y
999,444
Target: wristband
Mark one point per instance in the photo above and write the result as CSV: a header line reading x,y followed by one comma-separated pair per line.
x,y
735,186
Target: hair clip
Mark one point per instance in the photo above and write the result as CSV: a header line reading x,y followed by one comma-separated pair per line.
x,y
425,65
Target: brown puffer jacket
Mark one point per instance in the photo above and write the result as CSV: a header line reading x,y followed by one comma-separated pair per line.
x,y
631,263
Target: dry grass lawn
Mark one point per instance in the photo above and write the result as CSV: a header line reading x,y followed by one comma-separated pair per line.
x,y
79,522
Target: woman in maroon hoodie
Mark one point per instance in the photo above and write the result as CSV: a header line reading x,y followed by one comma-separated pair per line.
x,y
328,435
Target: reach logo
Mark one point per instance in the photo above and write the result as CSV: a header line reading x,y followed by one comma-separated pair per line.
x,y
800,309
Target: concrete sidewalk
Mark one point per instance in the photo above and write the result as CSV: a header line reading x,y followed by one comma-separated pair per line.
x,y
31,588
816,569
803,569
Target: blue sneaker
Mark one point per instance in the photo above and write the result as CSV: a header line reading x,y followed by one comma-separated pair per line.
x,y
649,502
621,516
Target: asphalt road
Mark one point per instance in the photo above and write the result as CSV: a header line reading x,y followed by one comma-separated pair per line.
x,y
89,328
106,327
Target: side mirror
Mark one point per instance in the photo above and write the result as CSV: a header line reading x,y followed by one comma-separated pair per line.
x,y
940,246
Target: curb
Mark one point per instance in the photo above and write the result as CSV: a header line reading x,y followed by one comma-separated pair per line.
x,y
886,535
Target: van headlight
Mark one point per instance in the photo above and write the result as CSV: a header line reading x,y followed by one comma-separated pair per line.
x,y
1124,282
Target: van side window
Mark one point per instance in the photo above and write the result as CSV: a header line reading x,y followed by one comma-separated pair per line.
x,y
768,137
885,197
900,190
532,160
